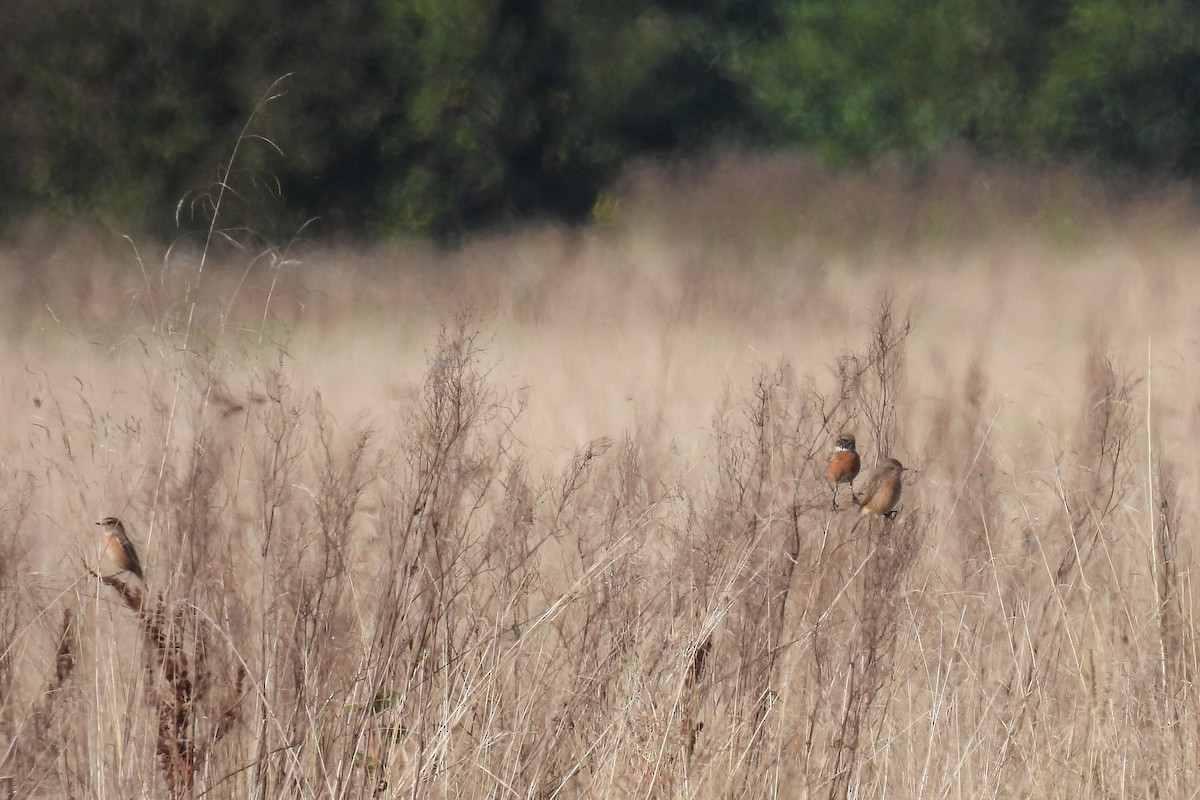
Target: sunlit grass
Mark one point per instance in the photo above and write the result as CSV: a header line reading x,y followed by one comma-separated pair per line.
x,y
544,515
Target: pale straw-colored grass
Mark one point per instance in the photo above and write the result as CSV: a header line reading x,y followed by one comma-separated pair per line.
x,y
543,515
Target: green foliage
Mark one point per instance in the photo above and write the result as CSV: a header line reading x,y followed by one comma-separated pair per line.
x,y
1124,87
439,116
856,79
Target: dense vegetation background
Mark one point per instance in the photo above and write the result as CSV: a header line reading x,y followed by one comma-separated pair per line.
x,y
441,116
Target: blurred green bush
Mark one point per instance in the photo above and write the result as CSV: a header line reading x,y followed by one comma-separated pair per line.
x,y
444,116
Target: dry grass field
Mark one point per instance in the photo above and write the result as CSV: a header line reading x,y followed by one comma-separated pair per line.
x,y
544,515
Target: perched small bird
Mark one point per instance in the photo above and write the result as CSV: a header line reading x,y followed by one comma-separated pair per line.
x,y
118,548
843,467
883,490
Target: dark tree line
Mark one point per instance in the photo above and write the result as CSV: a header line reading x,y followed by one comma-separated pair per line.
x,y
442,116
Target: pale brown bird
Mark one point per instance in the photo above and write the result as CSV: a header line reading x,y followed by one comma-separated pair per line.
x,y
118,548
883,490
843,467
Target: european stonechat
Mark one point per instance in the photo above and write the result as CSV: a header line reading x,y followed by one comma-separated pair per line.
x,y
118,548
883,490
843,466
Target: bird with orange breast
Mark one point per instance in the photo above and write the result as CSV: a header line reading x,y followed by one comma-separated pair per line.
x,y
882,492
843,466
118,549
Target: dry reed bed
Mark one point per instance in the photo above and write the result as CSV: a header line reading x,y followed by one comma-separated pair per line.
x,y
577,543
